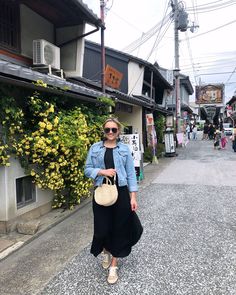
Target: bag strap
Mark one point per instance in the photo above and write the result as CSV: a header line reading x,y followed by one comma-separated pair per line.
x,y
108,181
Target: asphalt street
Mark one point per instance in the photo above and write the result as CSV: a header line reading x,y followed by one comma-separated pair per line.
x,y
188,212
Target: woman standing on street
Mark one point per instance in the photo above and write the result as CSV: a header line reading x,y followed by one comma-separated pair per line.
x,y
116,228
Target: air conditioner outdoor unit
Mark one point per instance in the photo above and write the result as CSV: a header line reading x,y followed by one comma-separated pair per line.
x,y
46,53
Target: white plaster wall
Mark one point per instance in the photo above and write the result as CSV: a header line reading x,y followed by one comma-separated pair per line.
x,y
33,26
166,98
171,99
3,193
72,54
135,78
8,177
184,96
132,119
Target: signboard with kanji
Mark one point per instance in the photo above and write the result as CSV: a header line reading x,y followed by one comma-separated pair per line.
x,y
113,77
209,94
132,140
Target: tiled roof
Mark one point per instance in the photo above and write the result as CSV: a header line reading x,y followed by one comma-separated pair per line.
x,y
28,74
88,10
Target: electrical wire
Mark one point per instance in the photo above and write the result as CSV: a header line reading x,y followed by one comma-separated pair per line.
x,y
158,39
191,57
155,43
125,20
211,7
161,28
215,29
140,41
231,75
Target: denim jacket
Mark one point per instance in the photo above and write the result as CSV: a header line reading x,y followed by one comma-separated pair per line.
x,y
123,161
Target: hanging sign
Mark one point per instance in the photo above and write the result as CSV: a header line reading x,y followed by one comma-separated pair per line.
x,y
149,119
132,140
113,77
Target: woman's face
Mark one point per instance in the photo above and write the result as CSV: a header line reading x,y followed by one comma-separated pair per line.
x,y
111,131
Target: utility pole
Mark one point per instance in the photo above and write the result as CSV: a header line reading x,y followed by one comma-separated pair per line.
x,y
180,24
102,7
176,69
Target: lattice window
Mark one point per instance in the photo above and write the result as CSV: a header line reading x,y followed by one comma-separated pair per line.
x,y
9,25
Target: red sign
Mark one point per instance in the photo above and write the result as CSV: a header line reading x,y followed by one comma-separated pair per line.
x,y
113,77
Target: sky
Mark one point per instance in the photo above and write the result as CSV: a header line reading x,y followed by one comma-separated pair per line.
x,y
207,55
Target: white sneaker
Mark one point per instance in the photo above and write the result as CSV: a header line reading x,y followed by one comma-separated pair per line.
x,y
106,260
112,275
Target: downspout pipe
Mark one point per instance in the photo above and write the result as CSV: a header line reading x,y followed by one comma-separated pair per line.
x,y
79,37
103,54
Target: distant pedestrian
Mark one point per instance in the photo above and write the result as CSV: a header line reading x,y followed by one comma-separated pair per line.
x,y
217,137
223,140
191,128
211,131
117,227
188,131
205,132
221,125
194,132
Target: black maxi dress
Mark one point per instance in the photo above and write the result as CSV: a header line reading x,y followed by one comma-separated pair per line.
x,y
116,228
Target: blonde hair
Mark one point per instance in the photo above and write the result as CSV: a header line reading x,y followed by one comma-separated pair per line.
x,y
115,120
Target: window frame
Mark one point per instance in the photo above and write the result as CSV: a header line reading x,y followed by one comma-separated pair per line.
x,y
21,188
15,14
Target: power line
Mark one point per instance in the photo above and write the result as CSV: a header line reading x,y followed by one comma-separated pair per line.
x,y
135,44
217,28
159,33
127,22
154,45
191,57
214,73
231,75
213,7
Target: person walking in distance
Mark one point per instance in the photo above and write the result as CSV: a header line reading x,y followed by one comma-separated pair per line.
x,y
205,132
188,131
117,227
223,139
217,137
211,131
194,132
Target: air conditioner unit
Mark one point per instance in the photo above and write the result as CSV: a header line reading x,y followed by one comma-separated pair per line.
x,y
46,53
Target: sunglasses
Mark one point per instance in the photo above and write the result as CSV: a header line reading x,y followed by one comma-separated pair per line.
x,y
108,130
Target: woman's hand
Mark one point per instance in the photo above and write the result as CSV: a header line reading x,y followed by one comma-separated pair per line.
x,y
107,172
133,201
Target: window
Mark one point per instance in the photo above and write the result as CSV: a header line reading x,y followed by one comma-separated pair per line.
x,y
128,130
25,191
9,25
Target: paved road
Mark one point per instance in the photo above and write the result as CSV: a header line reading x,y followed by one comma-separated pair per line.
x,y
189,241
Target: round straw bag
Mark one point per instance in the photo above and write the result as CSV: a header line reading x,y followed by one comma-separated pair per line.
x,y
107,194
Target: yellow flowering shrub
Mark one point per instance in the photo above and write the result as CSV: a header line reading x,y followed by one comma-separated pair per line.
x,y
4,156
51,144
11,120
